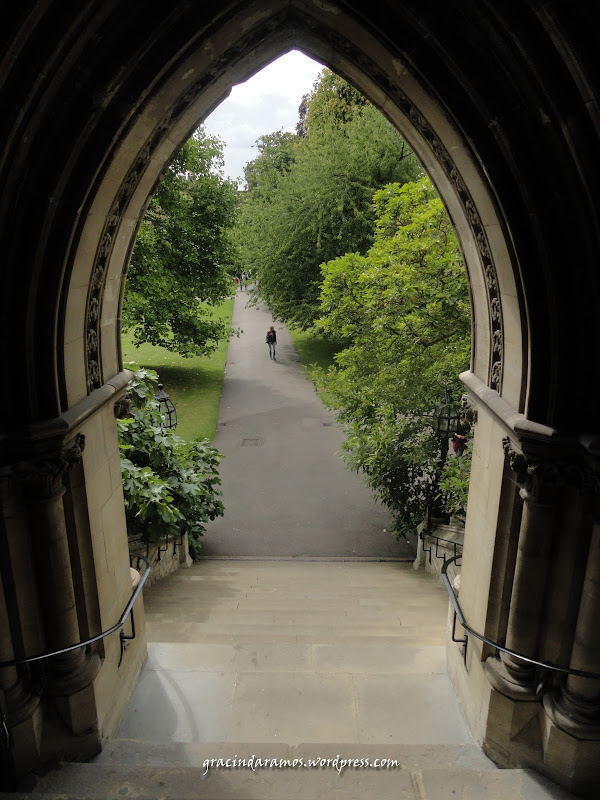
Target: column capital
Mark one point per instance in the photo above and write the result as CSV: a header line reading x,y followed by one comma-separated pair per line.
x,y
44,471
538,478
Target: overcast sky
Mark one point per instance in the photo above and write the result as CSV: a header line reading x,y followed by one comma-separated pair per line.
x,y
266,103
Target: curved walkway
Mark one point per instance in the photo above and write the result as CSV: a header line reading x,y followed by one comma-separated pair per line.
x,y
287,493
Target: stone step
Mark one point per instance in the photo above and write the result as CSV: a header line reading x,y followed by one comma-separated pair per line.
x,y
436,779
136,752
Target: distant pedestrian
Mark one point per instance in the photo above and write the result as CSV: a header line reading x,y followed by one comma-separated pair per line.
x,y
459,443
244,279
271,340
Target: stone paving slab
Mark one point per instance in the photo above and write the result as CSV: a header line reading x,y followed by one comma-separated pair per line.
x,y
102,781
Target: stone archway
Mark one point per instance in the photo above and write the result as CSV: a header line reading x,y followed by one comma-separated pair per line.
x,y
98,103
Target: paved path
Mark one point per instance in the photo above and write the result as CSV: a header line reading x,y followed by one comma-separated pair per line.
x,y
286,490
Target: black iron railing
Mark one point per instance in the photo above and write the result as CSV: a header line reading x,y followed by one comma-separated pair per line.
x,y
127,611
162,545
469,631
432,536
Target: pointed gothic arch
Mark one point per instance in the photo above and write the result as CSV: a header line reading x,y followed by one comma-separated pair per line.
x,y
500,106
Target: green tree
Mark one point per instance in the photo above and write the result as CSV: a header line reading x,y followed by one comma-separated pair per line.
x,y
318,205
332,103
403,310
274,161
179,265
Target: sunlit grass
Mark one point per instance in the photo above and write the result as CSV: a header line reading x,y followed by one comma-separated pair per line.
x,y
194,384
315,351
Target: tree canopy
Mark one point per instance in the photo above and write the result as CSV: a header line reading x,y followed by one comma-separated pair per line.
x,y
179,266
309,196
403,310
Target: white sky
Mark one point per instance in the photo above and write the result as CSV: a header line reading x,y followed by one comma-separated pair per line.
x,y
265,103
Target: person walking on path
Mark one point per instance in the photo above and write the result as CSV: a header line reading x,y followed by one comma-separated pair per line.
x,y
271,340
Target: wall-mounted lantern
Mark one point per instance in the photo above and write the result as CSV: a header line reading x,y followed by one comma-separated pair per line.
x,y
166,408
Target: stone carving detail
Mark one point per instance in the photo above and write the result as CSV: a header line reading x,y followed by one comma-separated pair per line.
x,y
104,252
483,245
122,406
47,474
93,374
496,374
542,479
468,411
92,341
105,245
93,309
490,279
471,212
495,309
456,179
497,341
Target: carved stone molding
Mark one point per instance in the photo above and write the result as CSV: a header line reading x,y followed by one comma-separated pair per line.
x,y
468,410
542,477
47,473
122,406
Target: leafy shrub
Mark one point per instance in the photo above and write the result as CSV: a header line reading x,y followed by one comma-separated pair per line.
x,y
397,458
454,482
170,485
402,311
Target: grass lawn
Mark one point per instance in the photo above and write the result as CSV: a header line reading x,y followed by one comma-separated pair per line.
x,y
194,384
314,351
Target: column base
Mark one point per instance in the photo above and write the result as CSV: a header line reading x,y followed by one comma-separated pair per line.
x,y
568,759
26,737
79,712
511,734
573,717
64,682
506,681
21,703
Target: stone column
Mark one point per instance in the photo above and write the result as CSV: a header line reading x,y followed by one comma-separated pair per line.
x,y
20,694
70,672
540,484
22,704
575,706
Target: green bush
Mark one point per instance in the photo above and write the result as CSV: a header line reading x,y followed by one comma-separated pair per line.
x,y
170,485
454,482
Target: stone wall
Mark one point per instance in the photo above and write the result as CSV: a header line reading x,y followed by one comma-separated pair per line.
x,y
165,558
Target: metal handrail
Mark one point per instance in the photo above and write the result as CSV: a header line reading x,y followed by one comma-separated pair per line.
x,y
431,535
122,620
458,614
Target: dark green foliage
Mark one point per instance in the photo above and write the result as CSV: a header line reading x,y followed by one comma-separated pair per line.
x,y
182,253
170,486
404,311
309,197
454,482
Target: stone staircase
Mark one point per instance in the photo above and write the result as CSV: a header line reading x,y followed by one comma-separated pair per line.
x,y
318,668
